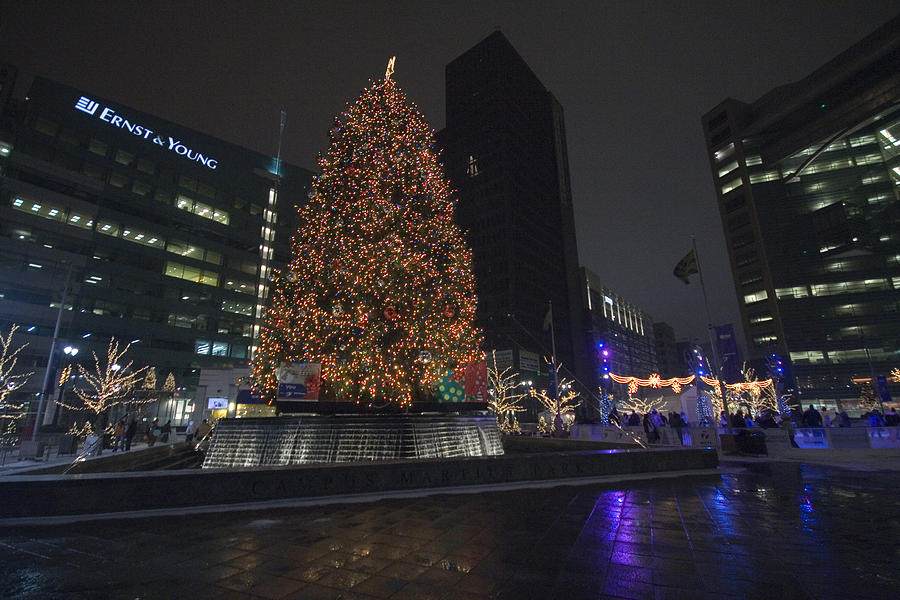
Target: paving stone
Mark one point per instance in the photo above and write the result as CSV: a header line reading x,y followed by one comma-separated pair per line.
x,y
771,530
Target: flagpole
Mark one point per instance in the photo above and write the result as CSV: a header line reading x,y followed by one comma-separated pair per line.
x,y
712,341
552,335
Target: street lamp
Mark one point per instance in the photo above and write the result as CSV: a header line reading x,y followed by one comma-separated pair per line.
x,y
70,352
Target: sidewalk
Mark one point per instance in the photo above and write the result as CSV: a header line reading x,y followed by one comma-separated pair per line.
x,y
789,531
856,459
11,464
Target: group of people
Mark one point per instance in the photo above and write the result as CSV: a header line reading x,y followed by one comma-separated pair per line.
x,y
653,420
889,419
123,434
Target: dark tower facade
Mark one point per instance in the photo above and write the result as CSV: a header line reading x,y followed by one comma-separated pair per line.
x,y
807,179
505,153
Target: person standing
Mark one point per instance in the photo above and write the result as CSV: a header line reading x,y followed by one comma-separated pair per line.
x,y
119,432
152,432
165,431
189,432
129,433
811,417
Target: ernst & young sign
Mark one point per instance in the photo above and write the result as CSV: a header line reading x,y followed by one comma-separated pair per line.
x,y
108,115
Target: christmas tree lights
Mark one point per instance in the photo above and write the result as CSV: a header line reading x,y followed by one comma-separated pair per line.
x,y
380,290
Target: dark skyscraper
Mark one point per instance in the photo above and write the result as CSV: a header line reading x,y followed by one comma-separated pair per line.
x,y
807,181
505,152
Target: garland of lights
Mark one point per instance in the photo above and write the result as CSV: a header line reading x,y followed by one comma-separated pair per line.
x,y
741,386
654,381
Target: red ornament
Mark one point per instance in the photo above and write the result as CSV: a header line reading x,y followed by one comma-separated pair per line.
x,y
390,313
449,311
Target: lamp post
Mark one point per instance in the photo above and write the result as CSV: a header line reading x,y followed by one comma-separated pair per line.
x,y
44,390
70,352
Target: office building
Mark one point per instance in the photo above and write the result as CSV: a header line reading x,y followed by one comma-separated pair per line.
x,y
505,153
622,335
139,229
807,180
668,359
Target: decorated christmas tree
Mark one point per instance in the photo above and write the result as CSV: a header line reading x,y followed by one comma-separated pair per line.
x,y
380,290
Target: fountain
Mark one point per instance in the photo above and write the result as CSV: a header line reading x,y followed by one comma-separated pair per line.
x,y
296,440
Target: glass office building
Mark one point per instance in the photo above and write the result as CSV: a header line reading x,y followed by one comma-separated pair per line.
x,y
807,179
137,228
622,334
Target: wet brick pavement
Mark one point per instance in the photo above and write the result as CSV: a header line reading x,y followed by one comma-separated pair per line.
x,y
757,531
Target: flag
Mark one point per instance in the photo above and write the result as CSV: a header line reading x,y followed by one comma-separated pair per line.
x,y
686,267
548,319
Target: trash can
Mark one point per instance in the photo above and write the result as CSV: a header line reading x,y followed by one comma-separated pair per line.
x,y
68,444
751,441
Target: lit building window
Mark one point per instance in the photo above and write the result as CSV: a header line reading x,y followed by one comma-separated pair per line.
x,y
472,168
765,176
728,168
195,252
848,287
236,285
108,228
724,152
240,308
792,292
808,357
142,237
189,273
732,185
756,297
201,210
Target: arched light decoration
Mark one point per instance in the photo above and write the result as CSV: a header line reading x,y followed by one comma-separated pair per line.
x,y
741,386
654,381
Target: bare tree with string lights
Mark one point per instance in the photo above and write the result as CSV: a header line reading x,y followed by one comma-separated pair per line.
x,y
10,380
641,406
562,404
109,382
503,399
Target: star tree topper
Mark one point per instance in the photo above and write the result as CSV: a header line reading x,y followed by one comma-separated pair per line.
x,y
390,69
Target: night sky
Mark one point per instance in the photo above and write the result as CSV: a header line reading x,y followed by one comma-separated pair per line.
x,y
634,78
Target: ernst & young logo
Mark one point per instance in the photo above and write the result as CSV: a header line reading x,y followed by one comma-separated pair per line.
x,y
87,105
108,115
